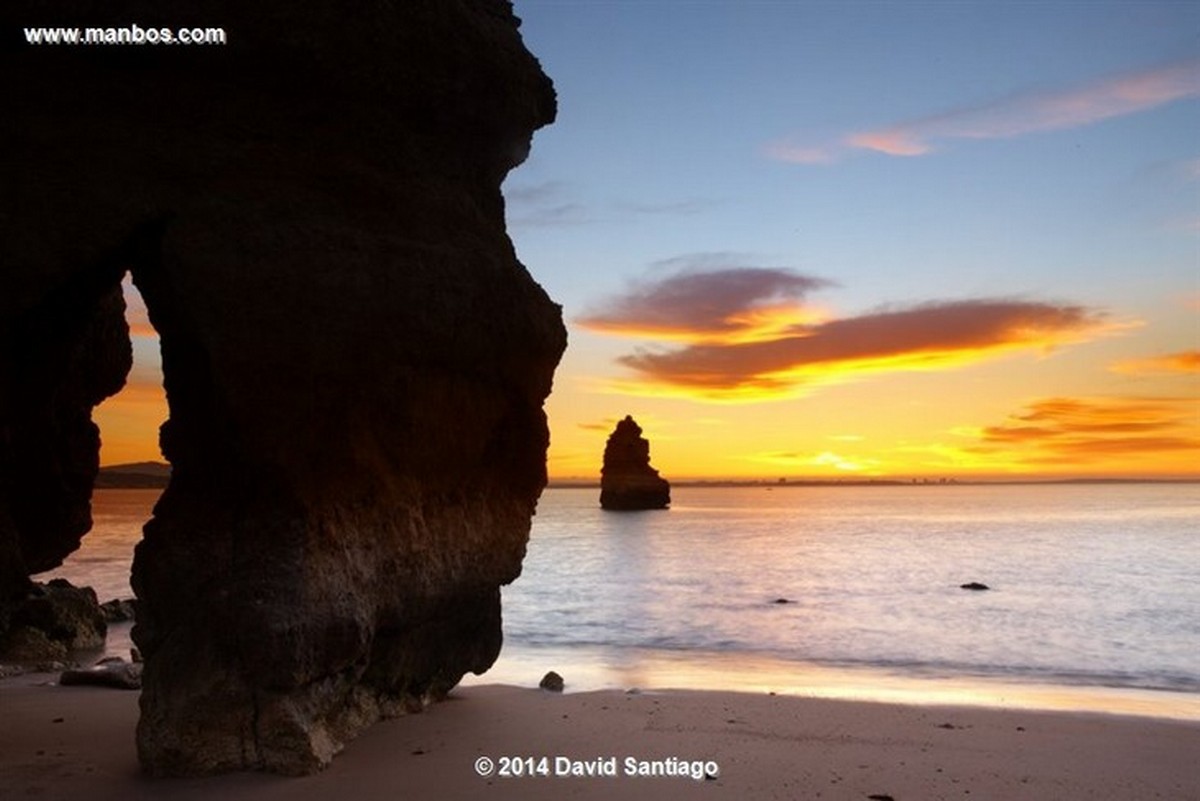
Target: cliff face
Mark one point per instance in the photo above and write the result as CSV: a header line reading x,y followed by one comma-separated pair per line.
x,y
627,481
355,362
64,347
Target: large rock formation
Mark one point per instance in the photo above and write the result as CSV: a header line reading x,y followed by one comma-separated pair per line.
x,y
627,481
64,347
354,360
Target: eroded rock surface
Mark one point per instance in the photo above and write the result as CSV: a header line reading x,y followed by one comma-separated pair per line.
x,y
53,620
64,348
627,481
354,360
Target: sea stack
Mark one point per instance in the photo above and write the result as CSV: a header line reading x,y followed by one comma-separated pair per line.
x,y
627,481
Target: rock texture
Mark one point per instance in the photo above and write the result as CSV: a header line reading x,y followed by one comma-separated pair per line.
x,y
627,481
53,620
112,672
64,347
354,360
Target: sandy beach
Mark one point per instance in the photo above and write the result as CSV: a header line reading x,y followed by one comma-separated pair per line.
x,y
78,742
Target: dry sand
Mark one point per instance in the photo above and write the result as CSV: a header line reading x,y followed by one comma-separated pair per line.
x,y
77,743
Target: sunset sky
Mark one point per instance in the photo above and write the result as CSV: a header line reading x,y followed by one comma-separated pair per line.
x,y
858,239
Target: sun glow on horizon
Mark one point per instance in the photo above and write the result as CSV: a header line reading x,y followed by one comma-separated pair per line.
x,y
985,268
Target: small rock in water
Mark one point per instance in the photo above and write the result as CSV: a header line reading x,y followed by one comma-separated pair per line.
x,y
782,601
974,585
552,682
118,610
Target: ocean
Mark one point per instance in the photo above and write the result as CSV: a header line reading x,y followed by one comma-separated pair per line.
x,y
840,591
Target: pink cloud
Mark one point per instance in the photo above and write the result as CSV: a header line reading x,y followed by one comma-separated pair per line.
x,y
1023,113
894,143
798,154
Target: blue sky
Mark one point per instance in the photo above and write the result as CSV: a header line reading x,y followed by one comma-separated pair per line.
x,y
907,154
823,239
668,111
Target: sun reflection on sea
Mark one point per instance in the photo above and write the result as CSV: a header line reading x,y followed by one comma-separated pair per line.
x,y
645,670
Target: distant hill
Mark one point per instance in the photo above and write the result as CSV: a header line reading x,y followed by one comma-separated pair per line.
x,y
139,475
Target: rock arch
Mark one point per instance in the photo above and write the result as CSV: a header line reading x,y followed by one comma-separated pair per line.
x,y
354,360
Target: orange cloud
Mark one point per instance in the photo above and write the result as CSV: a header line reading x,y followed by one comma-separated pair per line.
x,y
1187,361
932,336
1066,430
1017,115
729,303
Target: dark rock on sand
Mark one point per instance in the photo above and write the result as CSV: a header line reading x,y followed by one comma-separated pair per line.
x,y
627,481
53,620
552,681
974,585
11,671
113,672
355,361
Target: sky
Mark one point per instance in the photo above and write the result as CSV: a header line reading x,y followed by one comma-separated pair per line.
x,y
855,240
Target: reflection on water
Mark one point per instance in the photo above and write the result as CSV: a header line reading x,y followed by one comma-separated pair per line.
x,y
1095,600
587,669
106,553
1091,585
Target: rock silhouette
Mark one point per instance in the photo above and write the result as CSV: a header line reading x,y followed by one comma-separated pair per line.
x,y
627,481
354,360
51,621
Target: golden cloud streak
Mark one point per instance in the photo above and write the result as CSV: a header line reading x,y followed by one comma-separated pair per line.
x,y
932,337
1066,430
1187,361
747,325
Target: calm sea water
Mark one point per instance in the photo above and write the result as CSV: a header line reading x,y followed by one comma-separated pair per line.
x,y
1095,592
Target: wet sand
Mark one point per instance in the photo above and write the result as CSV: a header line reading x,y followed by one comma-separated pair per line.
x,y
78,742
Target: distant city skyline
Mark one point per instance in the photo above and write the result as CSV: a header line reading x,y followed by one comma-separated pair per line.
x,y
858,239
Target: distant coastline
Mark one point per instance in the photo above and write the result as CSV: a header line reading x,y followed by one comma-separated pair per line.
x,y
156,475
882,482
138,475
